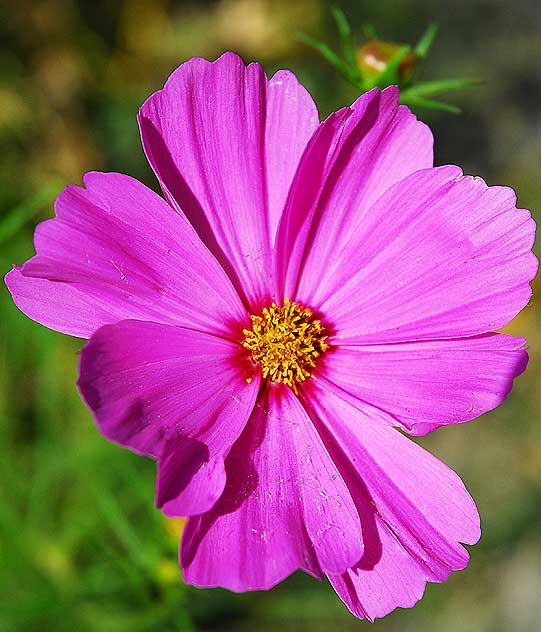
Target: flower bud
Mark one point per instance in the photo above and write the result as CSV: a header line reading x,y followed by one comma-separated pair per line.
x,y
374,56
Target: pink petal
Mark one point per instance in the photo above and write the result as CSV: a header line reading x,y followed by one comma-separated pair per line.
x,y
190,480
414,510
116,250
438,256
224,143
177,395
424,385
391,579
291,118
377,144
59,306
285,506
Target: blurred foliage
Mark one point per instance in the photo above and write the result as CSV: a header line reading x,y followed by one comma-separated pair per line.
x,y
81,546
377,63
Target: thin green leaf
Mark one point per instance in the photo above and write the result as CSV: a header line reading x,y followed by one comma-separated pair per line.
x,y
25,211
430,104
328,54
430,88
425,42
346,36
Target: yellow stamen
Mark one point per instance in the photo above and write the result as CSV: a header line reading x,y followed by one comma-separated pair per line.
x,y
286,341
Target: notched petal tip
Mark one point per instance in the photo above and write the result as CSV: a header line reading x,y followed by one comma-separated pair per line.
x,y
11,282
195,65
9,279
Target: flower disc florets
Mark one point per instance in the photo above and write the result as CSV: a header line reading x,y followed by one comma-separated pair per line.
x,y
286,341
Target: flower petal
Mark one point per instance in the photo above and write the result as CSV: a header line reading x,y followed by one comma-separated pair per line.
x,y
291,119
285,506
224,143
391,579
59,306
376,144
415,511
177,395
115,251
438,256
424,385
189,480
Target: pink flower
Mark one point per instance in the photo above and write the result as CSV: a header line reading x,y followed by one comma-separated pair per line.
x,y
288,250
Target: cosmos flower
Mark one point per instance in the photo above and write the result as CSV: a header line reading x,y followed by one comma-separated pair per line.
x,y
308,293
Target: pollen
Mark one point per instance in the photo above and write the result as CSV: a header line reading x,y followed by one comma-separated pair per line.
x,y
286,341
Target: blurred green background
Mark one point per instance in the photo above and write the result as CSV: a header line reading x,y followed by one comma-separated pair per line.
x,y
81,547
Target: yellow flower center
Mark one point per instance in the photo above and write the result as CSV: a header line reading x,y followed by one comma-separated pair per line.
x,y
286,341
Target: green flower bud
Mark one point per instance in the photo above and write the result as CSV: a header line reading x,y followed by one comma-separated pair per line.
x,y
374,56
